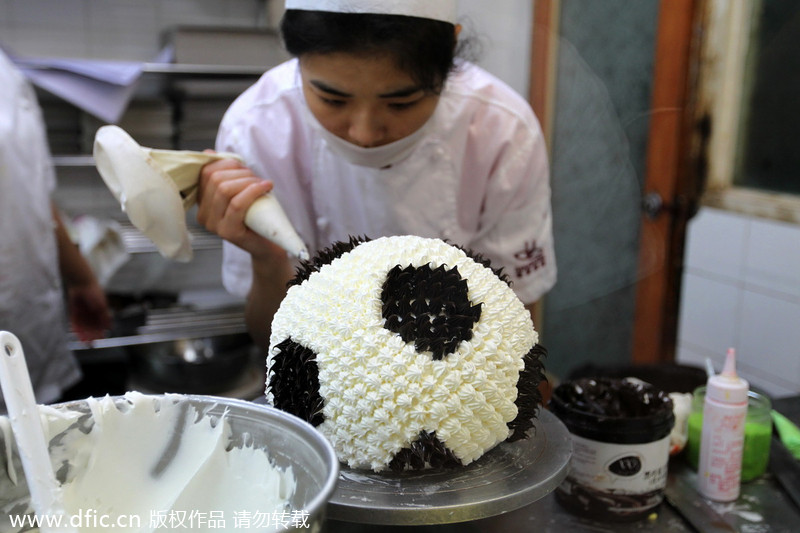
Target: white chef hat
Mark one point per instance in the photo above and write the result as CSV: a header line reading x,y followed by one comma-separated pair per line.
x,y
444,10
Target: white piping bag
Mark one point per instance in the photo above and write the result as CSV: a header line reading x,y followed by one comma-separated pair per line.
x,y
155,188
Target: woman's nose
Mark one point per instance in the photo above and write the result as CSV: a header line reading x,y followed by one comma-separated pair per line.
x,y
366,129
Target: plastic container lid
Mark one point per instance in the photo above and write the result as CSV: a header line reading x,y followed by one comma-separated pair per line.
x,y
656,424
728,387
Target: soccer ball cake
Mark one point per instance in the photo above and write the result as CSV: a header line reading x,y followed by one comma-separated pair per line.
x,y
406,353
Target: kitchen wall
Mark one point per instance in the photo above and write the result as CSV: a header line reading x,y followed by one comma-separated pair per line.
x,y
112,29
741,289
502,35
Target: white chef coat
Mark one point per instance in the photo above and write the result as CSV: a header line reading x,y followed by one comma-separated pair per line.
x,y
478,179
31,297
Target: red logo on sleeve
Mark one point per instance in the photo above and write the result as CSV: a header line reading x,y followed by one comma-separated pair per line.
x,y
533,258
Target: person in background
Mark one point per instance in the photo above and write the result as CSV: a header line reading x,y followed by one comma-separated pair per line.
x,y
377,128
40,266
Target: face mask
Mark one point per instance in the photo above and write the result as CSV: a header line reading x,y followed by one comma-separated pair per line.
x,y
377,157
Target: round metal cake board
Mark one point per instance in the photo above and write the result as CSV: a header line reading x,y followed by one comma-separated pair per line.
x,y
510,476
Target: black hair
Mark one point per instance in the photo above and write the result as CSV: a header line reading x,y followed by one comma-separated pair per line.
x,y
424,48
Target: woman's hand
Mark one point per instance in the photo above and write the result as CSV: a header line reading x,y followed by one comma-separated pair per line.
x,y
227,190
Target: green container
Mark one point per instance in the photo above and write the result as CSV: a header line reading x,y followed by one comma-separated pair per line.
x,y
757,433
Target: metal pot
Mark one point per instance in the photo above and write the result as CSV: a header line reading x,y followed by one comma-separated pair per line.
x,y
201,365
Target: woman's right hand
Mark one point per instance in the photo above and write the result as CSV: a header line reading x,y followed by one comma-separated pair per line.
x,y
227,189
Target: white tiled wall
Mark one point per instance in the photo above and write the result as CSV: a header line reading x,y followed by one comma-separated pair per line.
x,y
741,289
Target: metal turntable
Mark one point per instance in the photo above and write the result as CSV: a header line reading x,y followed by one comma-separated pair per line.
x,y
510,476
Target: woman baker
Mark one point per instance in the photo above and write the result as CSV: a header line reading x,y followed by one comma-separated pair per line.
x,y
377,128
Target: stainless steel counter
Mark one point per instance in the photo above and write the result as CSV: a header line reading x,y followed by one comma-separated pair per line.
x,y
762,507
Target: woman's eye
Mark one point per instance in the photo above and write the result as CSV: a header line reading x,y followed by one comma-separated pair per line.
x,y
399,106
335,102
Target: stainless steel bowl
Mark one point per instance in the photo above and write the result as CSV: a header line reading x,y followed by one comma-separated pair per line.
x,y
289,442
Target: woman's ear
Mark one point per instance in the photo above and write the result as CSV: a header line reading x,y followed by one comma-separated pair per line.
x,y
458,30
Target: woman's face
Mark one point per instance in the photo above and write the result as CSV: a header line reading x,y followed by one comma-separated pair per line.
x,y
364,100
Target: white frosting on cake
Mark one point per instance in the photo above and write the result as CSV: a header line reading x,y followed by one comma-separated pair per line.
x,y
379,392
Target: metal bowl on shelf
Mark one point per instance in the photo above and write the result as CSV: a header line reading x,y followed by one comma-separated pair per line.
x,y
197,365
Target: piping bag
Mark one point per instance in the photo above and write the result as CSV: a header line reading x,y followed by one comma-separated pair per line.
x,y
45,490
155,188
